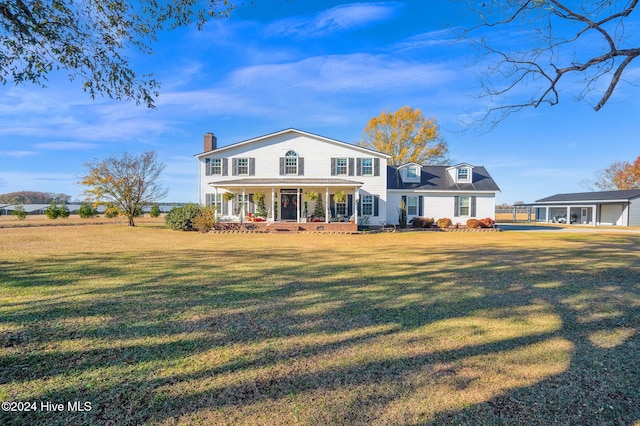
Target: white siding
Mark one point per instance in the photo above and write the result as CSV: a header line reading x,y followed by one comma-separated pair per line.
x,y
317,154
442,205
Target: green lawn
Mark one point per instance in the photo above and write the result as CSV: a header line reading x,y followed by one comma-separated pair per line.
x,y
152,326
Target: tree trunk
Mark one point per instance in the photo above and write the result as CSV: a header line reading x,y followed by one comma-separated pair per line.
x,y
131,221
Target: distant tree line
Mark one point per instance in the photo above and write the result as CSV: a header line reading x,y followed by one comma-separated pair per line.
x,y
33,197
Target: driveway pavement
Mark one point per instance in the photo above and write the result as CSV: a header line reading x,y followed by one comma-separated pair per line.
x,y
534,227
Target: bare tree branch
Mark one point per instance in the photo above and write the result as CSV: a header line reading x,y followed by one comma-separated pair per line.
x,y
558,43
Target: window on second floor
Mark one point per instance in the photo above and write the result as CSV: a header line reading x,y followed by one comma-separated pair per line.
x,y
243,166
342,166
215,165
291,163
367,166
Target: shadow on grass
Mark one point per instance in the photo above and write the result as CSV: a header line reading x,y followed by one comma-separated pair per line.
x,y
319,336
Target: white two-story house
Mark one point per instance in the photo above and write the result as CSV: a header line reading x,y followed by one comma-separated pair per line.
x,y
286,166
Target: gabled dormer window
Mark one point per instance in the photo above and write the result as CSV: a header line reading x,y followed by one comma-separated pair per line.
x,y
463,175
412,173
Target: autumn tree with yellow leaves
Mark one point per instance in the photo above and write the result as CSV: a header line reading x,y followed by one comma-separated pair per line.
x,y
130,182
407,136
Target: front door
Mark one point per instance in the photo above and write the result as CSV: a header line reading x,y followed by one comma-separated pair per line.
x,y
288,205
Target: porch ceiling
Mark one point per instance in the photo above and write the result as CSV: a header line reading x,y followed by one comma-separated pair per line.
x,y
295,182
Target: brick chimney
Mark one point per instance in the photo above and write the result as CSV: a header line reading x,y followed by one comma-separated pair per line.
x,y
210,142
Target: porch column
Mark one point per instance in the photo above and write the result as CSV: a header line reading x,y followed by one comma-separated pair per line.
x,y
215,202
273,204
355,207
568,215
593,215
243,206
298,205
547,213
327,212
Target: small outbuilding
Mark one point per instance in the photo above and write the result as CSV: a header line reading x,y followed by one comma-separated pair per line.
x,y
620,208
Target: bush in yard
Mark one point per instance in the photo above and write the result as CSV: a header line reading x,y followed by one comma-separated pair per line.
x,y
87,211
422,222
444,222
20,213
155,211
487,222
63,211
473,223
181,218
205,221
52,211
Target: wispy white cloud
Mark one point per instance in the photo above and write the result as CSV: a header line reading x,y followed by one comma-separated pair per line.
x,y
426,40
65,146
17,154
354,72
335,20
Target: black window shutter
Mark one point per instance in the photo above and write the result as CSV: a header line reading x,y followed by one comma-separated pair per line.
x,y
472,201
351,167
376,200
333,167
358,166
420,198
332,205
300,166
376,167
207,166
225,167
252,166
281,166
234,167
349,205
456,205
251,204
225,207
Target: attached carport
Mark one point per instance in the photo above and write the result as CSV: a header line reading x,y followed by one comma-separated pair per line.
x,y
620,208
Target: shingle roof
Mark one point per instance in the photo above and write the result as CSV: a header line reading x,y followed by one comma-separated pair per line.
x,y
437,178
592,196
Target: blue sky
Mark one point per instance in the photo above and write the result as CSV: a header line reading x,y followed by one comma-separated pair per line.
x,y
324,67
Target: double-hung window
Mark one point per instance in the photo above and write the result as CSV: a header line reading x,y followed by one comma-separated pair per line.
x,y
463,175
215,165
463,208
215,200
367,166
291,163
342,166
367,205
341,209
243,166
412,206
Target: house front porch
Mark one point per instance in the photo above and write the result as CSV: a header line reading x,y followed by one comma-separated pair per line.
x,y
310,203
